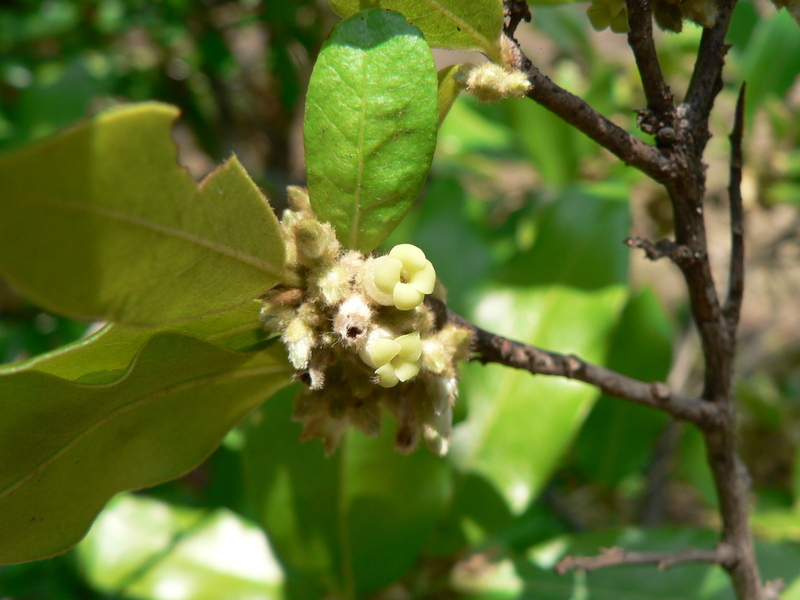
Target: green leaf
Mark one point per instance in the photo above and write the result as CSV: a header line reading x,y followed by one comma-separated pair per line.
x,y
618,437
370,126
765,76
452,24
213,554
519,425
113,347
67,446
101,222
449,88
345,525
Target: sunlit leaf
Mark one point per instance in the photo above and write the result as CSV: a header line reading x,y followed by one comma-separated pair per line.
x,y
67,446
519,425
452,24
144,548
345,525
101,222
370,126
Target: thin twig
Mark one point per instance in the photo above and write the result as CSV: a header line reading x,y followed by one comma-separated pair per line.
x,y
733,303
516,11
581,115
723,554
492,348
677,253
640,39
706,81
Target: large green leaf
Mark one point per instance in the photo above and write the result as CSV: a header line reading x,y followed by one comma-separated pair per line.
x,y
519,425
113,347
345,525
370,126
452,24
101,222
67,446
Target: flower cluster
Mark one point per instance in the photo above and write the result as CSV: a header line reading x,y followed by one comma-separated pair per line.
x,y
361,338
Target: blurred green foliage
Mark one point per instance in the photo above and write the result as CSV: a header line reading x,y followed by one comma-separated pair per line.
x,y
565,471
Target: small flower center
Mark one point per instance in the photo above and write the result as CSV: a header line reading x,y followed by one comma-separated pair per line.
x,y
404,276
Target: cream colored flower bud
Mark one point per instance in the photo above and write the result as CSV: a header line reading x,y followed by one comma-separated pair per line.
x,y
490,82
401,279
394,359
299,339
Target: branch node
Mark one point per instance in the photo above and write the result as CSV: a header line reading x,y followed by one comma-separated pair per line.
x,y
680,254
572,364
660,391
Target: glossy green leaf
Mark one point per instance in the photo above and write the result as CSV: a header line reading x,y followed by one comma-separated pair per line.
x,y
348,524
101,222
139,547
518,425
370,126
67,446
452,24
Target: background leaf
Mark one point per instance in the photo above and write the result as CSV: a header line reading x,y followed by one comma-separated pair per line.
x,y
101,222
348,524
451,24
66,447
370,126
519,425
210,554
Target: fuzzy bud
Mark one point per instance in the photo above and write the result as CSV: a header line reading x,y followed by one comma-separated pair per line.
x,y
333,283
353,321
490,82
299,339
316,242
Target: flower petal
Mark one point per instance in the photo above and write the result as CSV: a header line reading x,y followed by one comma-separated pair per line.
x,y
405,370
387,376
381,352
424,279
413,258
406,296
410,347
387,274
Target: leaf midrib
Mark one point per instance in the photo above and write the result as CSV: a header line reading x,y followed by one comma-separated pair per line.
x,y
250,260
490,48
121,410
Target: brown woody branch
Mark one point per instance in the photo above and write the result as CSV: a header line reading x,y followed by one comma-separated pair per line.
x,y
581,115
677,253
640,39
723,555
706,81
491,348
733,303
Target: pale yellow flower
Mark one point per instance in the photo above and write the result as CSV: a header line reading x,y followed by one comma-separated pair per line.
x,y
401,279
394,359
